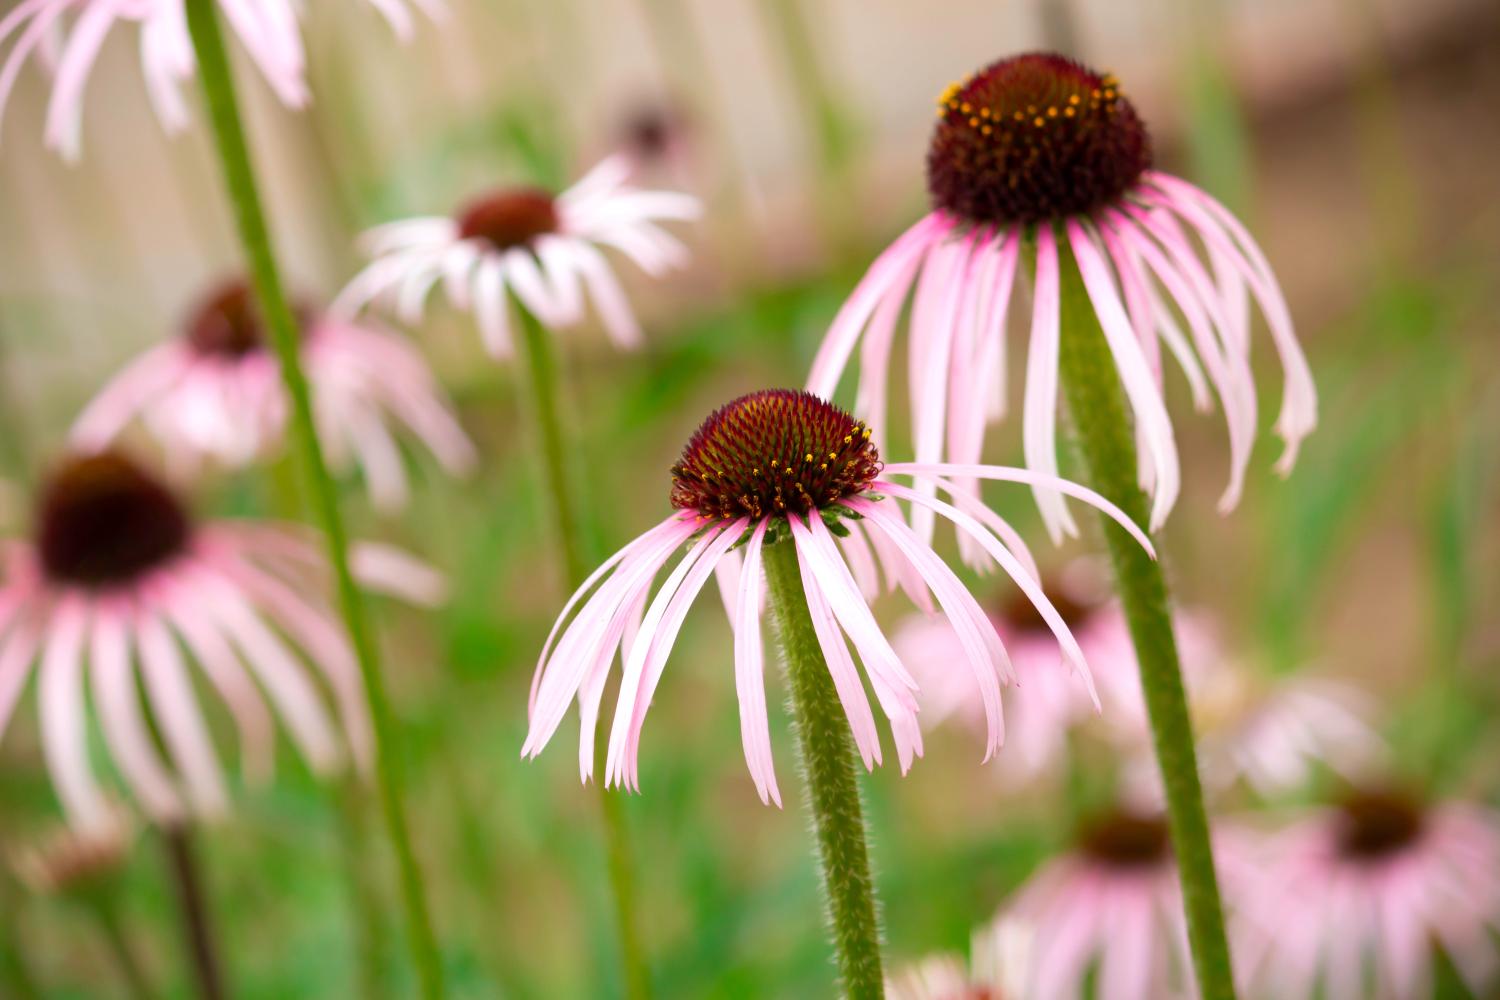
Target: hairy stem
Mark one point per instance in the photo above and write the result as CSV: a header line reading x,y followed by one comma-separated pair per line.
x,y
1096,403
826,749
563,491
239,178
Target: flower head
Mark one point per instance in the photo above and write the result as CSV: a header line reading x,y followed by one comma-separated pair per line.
x,y
1358,898
119,578
214,392
1113,903
526,242
1038,159
72,33
781,467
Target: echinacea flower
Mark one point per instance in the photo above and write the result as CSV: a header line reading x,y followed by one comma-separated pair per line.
x,y
69,35
119,581
999,963
1038,159
1356,901
1047,703
1272,735
780,467
215,392
544,250
1112,904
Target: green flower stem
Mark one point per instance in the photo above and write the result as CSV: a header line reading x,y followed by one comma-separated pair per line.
x,y
366,909
16,978
197,924
239,177
542,387
106,914
826,748
1096,403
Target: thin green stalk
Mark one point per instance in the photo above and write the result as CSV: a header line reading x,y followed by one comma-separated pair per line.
x,y
106,913
826,749
239,177
542,384
1095,401
197,924
15,974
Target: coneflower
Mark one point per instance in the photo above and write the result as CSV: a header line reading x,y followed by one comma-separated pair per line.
x,y
782,487
214,393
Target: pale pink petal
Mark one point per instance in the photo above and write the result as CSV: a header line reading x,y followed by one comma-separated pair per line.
x,y
841,667
397,573
122,398
1039,417
749,672
935,312
63,715
177,716
609,299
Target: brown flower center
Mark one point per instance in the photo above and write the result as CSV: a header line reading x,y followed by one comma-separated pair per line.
x,y
1034,138
1376,824
771,452
228,321
509,218
1019,616
1123,839
103,521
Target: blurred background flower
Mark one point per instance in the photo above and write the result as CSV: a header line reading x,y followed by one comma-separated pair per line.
x,y
1348,134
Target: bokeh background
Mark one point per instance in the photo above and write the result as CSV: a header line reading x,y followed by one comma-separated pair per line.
x,y
1360,139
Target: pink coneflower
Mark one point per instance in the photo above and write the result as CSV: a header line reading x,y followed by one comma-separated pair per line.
x,y
1037,156
119,579
780,467
1112,903
1047,703
526,242
215,392
1357,899
998,966
1270,735
70,33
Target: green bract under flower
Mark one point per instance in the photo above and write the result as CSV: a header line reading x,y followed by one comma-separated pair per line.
x,y
774,452
1033,138
104,521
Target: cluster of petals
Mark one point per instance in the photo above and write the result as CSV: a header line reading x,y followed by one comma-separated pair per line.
x,y
232,409
1319,921
1142,271
241,603
550,276
69,34
999,962
617,613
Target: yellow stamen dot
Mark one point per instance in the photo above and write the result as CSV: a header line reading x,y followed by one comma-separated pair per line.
x,y
1073,98
809,457
1051,112
1040,121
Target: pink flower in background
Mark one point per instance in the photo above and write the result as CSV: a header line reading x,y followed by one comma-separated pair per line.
x,y
1047,703
1113,903
69,34
117,583
544,250
786,468
998,967
1353,902
1040,165
215,393
1271,735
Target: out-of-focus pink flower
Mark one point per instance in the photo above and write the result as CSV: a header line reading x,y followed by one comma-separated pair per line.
x,y
70,33
1047,702
115,585
1354,902
998,966
544,250
1040,144
215,392
779,467
1113,903
1270,734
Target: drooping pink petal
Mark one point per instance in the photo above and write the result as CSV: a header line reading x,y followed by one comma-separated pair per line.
x,y
63,716
178,716
749,672
1039,417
